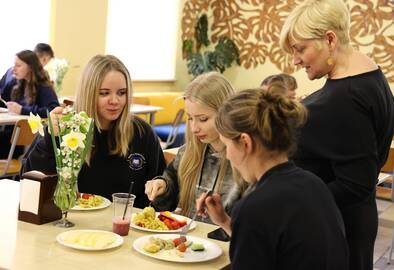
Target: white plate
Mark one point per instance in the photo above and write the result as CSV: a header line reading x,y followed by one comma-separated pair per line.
x,y
3,110
104,204
211,251
60,239
178,217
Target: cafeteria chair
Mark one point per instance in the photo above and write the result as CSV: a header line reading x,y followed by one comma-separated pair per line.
x,y
173,130
386,192
169,154
21,136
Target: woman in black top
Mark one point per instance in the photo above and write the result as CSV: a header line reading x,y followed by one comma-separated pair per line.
x,y
351,119
124,148
290,220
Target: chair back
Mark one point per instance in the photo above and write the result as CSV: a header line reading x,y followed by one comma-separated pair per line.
x,y
175,127
21,136
22,133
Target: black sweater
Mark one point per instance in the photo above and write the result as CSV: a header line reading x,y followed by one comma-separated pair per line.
x,y
108,174
348,135
290,221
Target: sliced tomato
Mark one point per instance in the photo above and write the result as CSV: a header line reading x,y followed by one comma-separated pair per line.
x,y
179,240
182,247
86,195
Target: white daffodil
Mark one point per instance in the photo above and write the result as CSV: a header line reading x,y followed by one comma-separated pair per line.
x,y
35,124
73,140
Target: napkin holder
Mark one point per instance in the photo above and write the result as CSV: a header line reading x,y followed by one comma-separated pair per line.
x,y
39,187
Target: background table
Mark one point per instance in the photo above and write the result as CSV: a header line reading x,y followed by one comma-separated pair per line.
x,y
28,246
10,118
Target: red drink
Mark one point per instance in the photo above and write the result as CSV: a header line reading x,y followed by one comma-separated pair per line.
x,y
121,226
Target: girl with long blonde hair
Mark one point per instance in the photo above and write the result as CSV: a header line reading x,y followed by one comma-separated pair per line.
x,y
124,147
199,165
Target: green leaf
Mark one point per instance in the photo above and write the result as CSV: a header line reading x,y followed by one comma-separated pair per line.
x,y
187,48
201,32
226,53
88,142
196,64
58,158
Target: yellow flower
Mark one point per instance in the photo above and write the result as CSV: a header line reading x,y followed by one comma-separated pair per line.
x,y
35,124
73,140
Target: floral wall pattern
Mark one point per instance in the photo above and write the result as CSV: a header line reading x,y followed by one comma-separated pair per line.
x,y
254,26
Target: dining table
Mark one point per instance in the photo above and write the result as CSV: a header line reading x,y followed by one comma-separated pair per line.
x,y
28,246
7,118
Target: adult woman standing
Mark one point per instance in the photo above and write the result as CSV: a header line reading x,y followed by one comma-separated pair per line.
x,y
290,220
124,148
351,119
198,165
31,92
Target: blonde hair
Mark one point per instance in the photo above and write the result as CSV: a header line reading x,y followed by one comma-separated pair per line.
x,y
122,132
210,89
266,116
288,81
312,19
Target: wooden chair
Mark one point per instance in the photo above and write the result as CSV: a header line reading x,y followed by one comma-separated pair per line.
x,y
169,154
386,192
21,136
386,177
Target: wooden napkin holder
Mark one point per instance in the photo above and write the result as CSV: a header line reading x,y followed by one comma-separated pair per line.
x,y
47,210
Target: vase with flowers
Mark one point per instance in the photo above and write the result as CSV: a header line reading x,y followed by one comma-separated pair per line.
x,y
71,145
57,69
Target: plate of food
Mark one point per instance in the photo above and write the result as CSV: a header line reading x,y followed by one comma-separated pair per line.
x,y
171,247
86,201
89,239
164,222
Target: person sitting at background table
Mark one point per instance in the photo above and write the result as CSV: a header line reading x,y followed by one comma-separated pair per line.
x,y
290,220
44,53
31,92
288,81
350,126
198,165
124,147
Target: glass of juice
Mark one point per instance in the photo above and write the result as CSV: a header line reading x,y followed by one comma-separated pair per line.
x,y
122,205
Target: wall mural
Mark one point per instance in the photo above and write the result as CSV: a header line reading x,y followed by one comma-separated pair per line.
x,y
254,26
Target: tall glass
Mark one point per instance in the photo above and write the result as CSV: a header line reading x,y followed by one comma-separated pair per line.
x,y
122,205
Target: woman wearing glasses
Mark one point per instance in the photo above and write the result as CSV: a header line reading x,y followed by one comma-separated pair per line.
x,y
198,166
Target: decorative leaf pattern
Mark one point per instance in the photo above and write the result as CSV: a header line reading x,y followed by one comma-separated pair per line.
x,y
254,26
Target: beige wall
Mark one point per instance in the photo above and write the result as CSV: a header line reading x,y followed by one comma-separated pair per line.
x,y
78,31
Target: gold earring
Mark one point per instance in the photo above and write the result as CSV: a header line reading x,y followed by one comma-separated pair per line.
x,y
330,61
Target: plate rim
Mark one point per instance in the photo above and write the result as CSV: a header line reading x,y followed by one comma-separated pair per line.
x,y
134,226
141,251
118,242
105,204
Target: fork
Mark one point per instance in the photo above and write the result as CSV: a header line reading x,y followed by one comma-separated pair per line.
x,y
186,228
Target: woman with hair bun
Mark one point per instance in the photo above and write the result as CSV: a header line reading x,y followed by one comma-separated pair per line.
x,y
290,220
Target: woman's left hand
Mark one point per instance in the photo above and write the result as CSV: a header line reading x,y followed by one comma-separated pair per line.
x,y
14,107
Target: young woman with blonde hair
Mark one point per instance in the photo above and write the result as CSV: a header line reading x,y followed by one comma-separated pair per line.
x,y
289,220
124,147
351,118
198,165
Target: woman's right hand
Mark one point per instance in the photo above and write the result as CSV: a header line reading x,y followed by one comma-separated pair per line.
x,y
154,188
213,207
55,114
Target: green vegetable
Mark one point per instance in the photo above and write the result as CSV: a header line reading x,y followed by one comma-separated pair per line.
x,y
198,247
